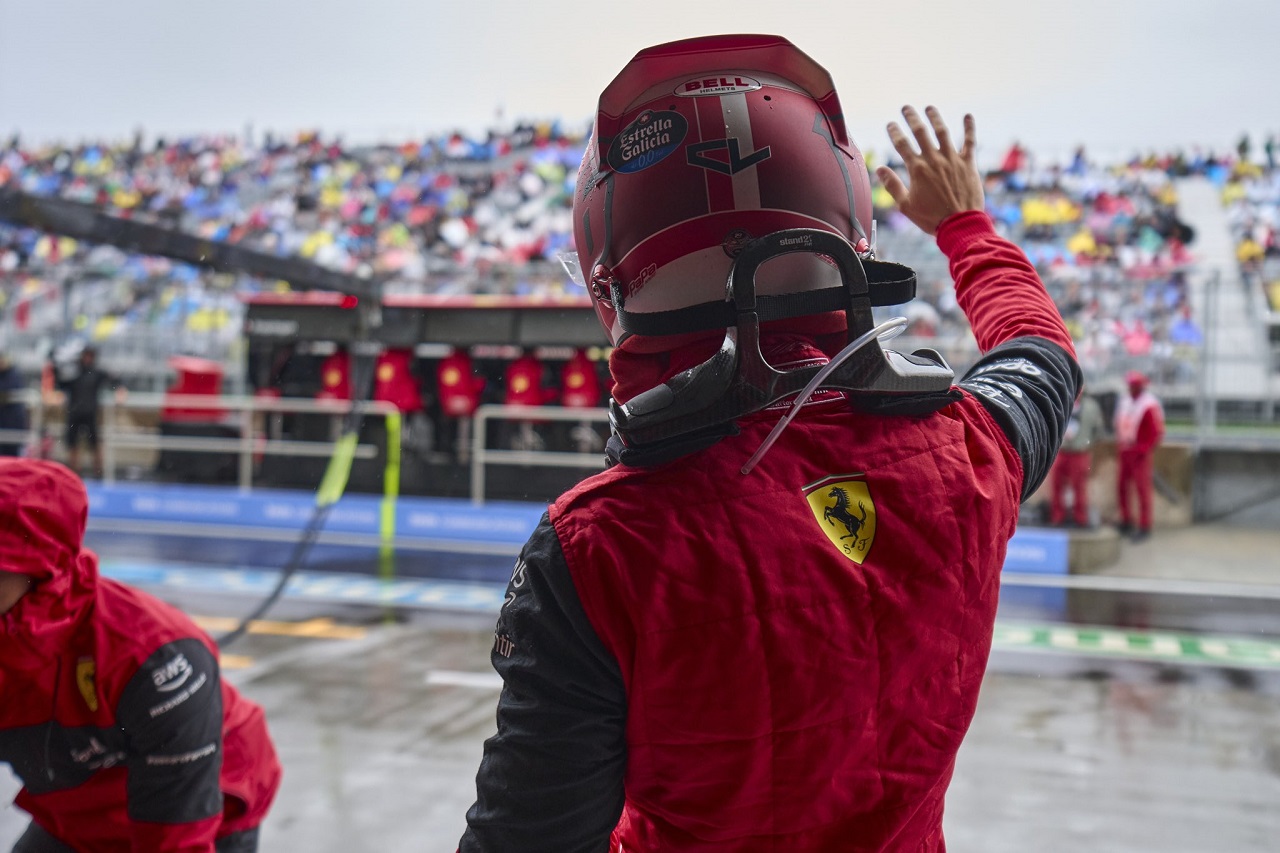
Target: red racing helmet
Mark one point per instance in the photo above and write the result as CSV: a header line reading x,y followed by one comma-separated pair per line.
x,y
699,147
720,191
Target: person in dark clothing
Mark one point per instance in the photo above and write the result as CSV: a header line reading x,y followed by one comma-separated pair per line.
x,y
83,393
13,412
765,626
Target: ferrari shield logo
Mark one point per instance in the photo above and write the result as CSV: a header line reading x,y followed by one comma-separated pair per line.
x,y
85,672
843,508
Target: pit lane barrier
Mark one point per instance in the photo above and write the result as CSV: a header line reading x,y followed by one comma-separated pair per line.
x,y
459,525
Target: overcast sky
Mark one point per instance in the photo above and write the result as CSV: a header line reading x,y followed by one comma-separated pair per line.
x,y
1114,75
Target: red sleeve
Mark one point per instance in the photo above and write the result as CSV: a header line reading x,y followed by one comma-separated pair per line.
x,y
996,286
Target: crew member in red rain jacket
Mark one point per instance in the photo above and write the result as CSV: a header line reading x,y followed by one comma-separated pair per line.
x,y
335,377
580,389
460,394
523,380
394,381
113,713
735,638
459,387
1139,422
579,385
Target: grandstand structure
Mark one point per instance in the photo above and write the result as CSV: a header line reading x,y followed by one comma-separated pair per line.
x,y
1252,202
445,216
1238,366
450,243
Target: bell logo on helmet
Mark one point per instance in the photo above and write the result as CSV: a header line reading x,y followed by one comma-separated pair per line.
x,y
707,86
647,141
843,508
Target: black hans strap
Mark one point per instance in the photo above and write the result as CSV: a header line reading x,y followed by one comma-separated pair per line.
x,y
737,380
889,284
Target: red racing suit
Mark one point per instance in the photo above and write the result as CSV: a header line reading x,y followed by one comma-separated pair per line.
x,y
698,660
114,716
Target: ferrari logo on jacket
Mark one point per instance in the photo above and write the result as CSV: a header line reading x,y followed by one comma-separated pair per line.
x,y
842,506
85,672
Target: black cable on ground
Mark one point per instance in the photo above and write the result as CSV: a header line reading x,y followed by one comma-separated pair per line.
x,y
87,222
352,423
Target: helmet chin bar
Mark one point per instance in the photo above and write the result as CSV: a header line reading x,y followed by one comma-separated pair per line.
x,y
737,380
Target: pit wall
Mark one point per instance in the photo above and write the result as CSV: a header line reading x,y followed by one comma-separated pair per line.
x,y
438,523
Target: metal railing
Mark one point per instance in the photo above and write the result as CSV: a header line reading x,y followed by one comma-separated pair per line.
x,y
237,412
482,455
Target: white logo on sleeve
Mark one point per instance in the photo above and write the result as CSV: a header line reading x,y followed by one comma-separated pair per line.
x,y
518,577
1011,365
95,756
182,758
172,675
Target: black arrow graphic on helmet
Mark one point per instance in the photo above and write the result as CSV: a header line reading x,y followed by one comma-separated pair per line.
x,y
737,163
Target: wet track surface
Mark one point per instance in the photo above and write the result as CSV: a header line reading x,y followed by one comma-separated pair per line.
x,y
1080,743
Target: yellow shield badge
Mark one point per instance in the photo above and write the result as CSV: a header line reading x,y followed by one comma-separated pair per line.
x,y
85,672
842,506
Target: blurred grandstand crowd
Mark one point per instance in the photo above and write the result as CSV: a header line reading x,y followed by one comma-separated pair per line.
x,y
1109,244
447,215
454,215
1251,194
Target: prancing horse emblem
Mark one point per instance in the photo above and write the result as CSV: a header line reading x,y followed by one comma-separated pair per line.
x,y
840,512
843,508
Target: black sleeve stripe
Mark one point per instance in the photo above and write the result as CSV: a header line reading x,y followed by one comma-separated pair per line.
x,y
171,713
1028,385
551,779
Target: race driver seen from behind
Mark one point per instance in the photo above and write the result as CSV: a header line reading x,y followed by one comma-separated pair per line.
x,y
765,626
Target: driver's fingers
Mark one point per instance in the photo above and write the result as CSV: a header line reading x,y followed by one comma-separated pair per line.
x,y
918,128
970,138
900,143
892,183
939,129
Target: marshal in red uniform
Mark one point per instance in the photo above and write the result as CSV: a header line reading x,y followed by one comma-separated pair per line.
x,y
114,715
739,639
1139,423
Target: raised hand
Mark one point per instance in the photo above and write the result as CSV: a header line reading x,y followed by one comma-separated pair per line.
x,y
943,181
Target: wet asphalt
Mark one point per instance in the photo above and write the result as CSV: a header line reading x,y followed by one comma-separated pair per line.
x,y
379,718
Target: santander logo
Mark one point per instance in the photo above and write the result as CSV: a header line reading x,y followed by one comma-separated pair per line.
x,y
720,84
